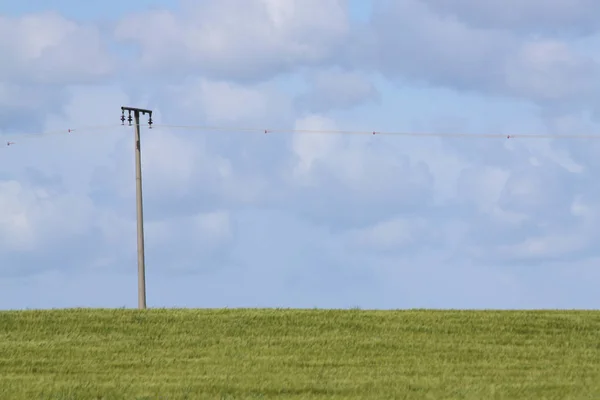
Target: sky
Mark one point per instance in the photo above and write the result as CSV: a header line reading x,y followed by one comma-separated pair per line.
x,y
244,219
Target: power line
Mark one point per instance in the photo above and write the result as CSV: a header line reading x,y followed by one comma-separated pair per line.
x,y
12,139
393,133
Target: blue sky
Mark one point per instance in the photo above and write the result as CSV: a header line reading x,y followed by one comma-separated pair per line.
x,y
301,220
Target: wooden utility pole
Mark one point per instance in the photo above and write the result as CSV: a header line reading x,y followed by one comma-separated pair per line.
x,y
139,202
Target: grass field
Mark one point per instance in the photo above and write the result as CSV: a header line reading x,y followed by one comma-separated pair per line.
x,y
299,354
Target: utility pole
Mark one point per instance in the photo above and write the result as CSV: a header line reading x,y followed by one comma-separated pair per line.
x,y
140,209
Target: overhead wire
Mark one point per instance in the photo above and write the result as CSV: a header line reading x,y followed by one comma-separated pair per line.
x,y
11,139
364,132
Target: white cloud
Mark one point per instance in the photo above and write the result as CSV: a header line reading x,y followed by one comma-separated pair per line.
x,y
41,54
169,162
311,148
361,164
411,40
482,186
50,49
34,218
552,17
226,103
335,89
548,70
21,105
394,234
346,218
249,39
188,243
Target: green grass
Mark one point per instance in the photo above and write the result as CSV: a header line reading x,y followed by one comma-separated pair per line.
x,y
299,354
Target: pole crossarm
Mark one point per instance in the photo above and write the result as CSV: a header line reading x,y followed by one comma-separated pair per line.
x,y
136,112
141,110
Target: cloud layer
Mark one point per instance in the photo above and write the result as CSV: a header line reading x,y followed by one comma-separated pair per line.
x,y
235,218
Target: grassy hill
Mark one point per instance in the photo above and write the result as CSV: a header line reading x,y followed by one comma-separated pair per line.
x,y
299,354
